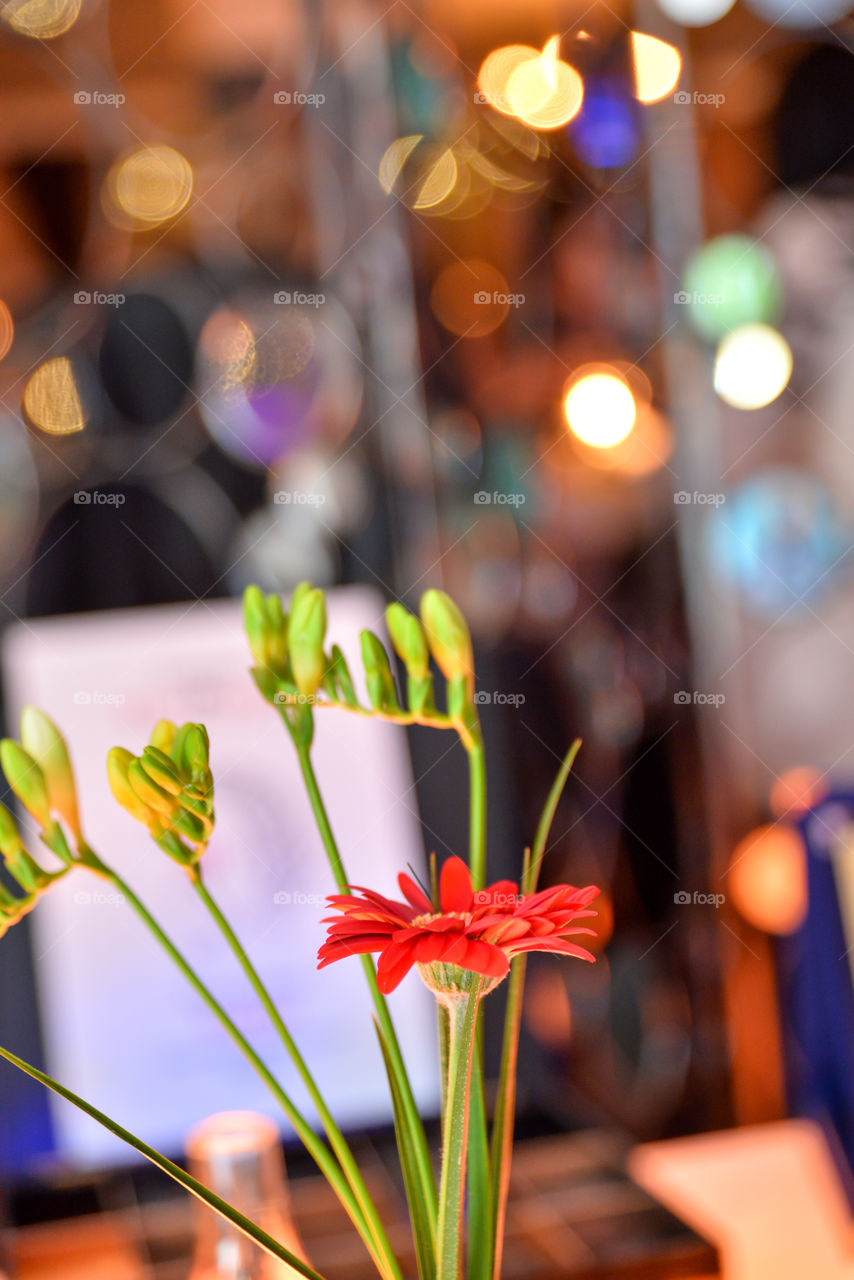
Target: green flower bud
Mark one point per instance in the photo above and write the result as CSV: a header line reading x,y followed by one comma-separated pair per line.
x,y
277,636
342,678
163,736
148,791
448,637
409,640
306,634
161,770
255,623
41,738
118,762
378,677
26,780
10,838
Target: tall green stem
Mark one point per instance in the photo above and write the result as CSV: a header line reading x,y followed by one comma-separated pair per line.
x,y
317,1149
462,1015
481,1232
413,1119
477,811
336,1138
186,1180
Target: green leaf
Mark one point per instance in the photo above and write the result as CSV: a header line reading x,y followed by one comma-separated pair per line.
x,y
186,1180
505,1102
422,1228
480,1211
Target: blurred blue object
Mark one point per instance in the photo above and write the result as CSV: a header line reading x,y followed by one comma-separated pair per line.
x,y
816,992
779,539
606,132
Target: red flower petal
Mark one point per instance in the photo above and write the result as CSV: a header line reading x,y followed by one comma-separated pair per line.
x,y
482,958
414,894
332,951
429,947
455,888
394,964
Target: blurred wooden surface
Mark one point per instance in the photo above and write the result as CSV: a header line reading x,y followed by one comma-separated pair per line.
x,y
573,1213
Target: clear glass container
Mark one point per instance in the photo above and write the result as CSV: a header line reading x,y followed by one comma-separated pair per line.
x,y
238,1155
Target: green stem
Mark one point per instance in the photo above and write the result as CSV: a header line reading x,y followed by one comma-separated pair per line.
x,y
336,1138
320,1153
477,811
186,1180
505,1102
481,1233
462,1015
407,1099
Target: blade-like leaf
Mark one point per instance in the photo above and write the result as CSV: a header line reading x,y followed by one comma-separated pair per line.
x,y
422,1230
186,1180
505,1102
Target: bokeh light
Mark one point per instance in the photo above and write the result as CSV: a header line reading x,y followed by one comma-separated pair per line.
x,y
752,366
801,15
7,330
271,376
394,159
599,406
471,298
606,133
535,86
148,187
41,19
438,183
695,13
645,450
780,540
52,398
730,281
767,879
657,67
795,791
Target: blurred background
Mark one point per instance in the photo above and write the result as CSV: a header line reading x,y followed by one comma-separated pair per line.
x,y
551,305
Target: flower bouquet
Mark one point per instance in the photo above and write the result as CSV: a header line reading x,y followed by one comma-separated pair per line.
x,y
463,937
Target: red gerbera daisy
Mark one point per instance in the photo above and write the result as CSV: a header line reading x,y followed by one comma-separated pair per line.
x,y
472,932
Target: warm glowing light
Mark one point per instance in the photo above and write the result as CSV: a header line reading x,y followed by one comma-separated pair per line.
x,y
7,329
52,398
438,183
599,407
496,70
645,450
151,186
41,19
657,67
536,87
767,879
471,298
795,791
752,366
395,158
695,13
